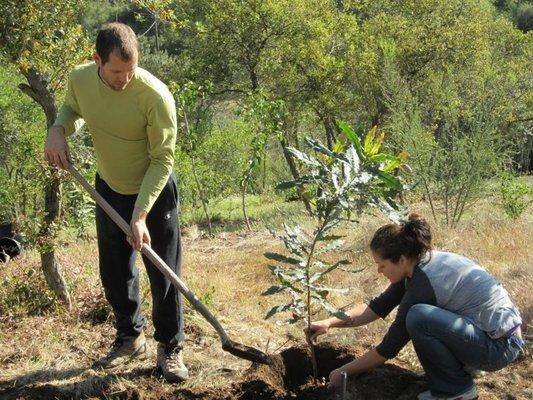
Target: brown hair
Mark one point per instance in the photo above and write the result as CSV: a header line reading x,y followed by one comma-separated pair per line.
x,y
117,37
411,239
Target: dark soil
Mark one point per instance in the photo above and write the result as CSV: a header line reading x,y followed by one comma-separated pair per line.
x,y
290,377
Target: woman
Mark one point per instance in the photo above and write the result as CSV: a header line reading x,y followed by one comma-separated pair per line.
x,y
457,315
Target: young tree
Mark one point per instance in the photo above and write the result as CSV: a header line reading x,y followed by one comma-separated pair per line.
x,y
342,183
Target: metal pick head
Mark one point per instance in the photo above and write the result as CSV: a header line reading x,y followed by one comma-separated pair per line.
x,y
246,352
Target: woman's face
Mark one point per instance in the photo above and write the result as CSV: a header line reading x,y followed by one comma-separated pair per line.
x,y
394,272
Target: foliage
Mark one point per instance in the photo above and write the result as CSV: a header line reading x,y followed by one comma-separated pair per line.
x,y
21,137
516,196
322,60
523,16
348,180
519,11
209,159
25,294
453,136
266,116
42,35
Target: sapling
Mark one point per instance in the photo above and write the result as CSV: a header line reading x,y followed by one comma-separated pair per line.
x,y
340,183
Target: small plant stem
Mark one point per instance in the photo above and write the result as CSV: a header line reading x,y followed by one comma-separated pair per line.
x,y
308,278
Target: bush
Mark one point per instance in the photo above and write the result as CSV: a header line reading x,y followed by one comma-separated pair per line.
x,y
26,293
516,196
523,17
454,141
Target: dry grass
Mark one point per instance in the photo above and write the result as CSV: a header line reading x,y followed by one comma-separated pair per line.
x,y
49,354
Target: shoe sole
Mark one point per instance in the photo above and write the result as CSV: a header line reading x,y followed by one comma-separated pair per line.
x,y
140,354
175,379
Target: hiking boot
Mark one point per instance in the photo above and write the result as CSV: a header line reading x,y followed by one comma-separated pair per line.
x,y
170,361
124,349
470,394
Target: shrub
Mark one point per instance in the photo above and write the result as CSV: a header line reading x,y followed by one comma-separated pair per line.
x,y
516,196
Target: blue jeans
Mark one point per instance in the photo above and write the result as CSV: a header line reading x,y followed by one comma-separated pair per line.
x,y
446,342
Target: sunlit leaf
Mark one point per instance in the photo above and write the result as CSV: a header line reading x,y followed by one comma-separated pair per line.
x,y
282,258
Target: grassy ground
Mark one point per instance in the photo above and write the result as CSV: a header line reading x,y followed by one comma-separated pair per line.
x,y
46,352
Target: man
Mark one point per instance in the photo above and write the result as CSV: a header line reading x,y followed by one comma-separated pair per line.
x,y
131,117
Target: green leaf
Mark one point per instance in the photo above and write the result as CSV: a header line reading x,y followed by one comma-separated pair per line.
x,y
285,278
277,309
338,147
378,141
329,247
329,268
391,181
319,147
288,185
307,159
327,238
381,158
282,258
300,182
321,289
369,140
392,165
330,308
273,290
294,246
352,271
352,137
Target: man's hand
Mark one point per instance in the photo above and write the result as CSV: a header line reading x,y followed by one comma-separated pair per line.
x,y
56,148
139,230
316,329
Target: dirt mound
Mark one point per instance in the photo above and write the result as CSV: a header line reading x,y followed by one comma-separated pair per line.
x,y
290,377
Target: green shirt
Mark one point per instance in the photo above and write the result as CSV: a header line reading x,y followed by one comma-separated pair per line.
x,y
133,130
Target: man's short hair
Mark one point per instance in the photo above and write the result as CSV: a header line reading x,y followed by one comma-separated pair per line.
x,y
116,37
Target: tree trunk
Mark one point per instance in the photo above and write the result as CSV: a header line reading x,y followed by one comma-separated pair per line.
x,y
156,34
38,90
201,193
244,184
294,172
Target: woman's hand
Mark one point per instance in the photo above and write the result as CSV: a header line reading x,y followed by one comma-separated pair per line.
x,y
316,329
335,379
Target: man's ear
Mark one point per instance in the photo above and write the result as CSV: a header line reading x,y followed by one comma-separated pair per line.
x,y
97,59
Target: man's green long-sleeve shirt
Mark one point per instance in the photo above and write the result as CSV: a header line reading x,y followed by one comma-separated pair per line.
x,y
133,130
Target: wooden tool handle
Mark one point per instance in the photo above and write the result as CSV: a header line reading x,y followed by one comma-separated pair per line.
x,y
151,255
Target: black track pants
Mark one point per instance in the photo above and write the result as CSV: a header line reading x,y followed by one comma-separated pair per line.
x,y
120,276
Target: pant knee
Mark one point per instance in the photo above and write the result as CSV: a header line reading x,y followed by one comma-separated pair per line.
x,y
416,317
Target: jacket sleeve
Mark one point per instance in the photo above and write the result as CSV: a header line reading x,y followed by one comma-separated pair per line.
x,y
161,130
383,304
69,115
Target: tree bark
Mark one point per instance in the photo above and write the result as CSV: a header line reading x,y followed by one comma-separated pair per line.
x,y
38,90
294,171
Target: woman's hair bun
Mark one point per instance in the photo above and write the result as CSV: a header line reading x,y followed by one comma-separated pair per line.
x,y
411,238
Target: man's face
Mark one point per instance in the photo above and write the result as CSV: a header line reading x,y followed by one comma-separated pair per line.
x,y
116,72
